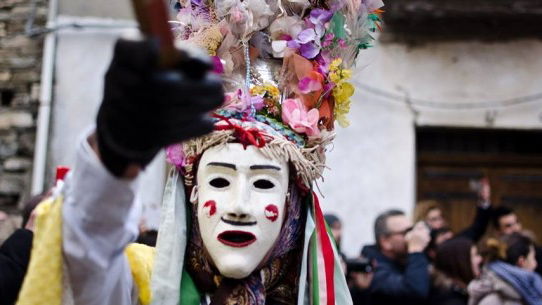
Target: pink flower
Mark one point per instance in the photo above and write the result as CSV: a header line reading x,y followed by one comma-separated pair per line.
x,y
238,15
328,40
175,155
241,102
299,119
307,85
218,67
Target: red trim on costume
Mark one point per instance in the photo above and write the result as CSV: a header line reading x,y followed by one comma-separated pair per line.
x,y
327,251
61,172
246,137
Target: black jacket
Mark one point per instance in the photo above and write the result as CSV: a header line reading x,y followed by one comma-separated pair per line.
x,y
444,291
396,283
538,255
479,225
14,259
439,296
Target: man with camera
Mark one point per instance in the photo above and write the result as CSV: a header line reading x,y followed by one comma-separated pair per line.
x,y
401,273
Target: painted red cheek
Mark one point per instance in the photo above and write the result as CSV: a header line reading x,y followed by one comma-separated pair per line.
x,y
211,205
272,212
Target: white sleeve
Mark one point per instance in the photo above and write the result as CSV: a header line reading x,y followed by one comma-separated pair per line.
x,y
99,219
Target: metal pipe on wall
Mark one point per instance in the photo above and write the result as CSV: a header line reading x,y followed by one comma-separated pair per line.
x,y
46,96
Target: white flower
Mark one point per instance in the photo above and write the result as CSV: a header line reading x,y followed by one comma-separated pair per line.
x,y
279,46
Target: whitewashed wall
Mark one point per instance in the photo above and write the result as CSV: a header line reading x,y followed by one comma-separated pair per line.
x,y
373,161
372,164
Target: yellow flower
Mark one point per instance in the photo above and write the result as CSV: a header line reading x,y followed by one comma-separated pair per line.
x,y
335,64
346,73
335,77
274,91
342,93
257,90
340,112
343,121
261,90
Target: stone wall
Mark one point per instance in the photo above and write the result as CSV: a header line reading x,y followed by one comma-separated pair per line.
x,y
20,68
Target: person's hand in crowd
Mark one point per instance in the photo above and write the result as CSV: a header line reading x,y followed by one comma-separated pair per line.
x,y
146,107
361,280
484,192
31,223
418,238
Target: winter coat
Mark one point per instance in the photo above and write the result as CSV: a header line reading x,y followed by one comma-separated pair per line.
x,y
398,283
446,291
490,289
14,258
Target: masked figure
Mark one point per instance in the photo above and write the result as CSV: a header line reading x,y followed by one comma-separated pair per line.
x,y
240,223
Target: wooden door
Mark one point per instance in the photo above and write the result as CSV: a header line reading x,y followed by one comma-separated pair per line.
x,y
449,161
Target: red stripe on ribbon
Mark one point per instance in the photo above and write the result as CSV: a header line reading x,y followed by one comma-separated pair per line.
x,y
327,250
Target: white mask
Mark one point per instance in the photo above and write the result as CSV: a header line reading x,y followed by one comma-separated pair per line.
x,y
241,198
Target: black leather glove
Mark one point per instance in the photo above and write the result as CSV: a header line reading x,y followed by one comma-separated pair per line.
x,y
146,108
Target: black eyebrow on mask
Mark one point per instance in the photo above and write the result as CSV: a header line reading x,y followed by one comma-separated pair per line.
x,y
227,165
256,167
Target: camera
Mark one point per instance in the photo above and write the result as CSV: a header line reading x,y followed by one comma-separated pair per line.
x,y
362,265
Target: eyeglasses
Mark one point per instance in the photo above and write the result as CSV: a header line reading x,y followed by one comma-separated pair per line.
x,y
509,225
434,219
403,232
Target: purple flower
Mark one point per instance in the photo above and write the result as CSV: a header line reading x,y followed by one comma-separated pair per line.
x,y
309,50
323,62
306,36
306,47
293,44
320,16
308,41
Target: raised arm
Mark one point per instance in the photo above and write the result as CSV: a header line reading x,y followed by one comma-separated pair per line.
x,y
478,227
144,109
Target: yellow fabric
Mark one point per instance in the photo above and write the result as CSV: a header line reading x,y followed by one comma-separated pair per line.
x,y
43,281
141,259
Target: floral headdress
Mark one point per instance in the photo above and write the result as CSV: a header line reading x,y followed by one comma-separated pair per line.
x,y
285,66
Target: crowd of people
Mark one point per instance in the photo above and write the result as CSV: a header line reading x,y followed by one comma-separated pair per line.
x,y
422,261
419,261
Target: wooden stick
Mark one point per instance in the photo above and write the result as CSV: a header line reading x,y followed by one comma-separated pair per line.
x,y
152,16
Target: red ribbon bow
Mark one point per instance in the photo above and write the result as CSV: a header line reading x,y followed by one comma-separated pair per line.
x,y
246,137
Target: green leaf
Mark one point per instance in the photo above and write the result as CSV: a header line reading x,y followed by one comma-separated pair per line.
x,y
337,26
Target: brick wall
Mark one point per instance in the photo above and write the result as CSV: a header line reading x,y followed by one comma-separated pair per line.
x,y
20,68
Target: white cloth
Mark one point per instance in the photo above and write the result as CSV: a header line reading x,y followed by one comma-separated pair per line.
x,y
171,244
99,220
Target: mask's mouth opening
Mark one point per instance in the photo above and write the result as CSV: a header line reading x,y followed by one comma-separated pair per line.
x,y
237,239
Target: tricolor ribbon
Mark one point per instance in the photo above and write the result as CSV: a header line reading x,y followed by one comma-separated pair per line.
x,y
323,263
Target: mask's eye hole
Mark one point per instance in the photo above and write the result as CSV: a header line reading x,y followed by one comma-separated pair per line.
x,y
219,182
263,184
